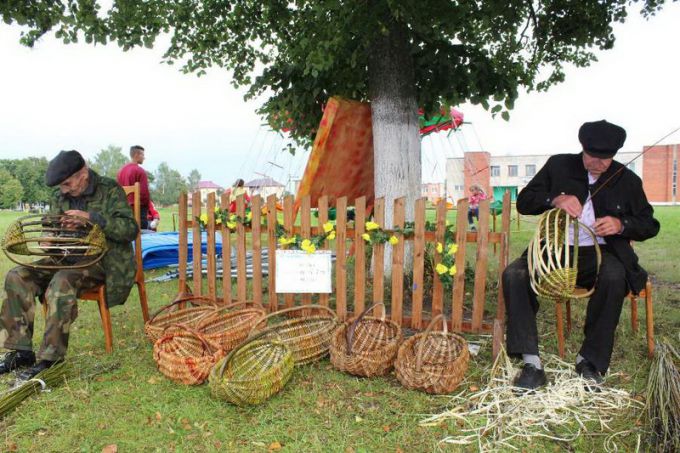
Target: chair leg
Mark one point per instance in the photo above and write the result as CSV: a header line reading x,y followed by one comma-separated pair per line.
x,y
106,324
633,313
650,319
560,327
568,305
142,301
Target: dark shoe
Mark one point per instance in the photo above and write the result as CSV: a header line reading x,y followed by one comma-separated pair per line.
x,y
16,359
31,372
530,378
590,374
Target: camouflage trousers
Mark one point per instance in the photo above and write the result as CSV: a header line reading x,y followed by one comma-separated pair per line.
x,y
61,289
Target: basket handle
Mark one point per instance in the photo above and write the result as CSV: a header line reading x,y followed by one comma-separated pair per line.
x,y
349,334
239,347
220,307
210,347
201,300
598,254
421,343
291,309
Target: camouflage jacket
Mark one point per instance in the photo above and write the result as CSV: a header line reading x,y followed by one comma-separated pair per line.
x,y
105,200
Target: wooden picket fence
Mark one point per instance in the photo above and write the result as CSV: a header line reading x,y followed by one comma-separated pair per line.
x,y
409,313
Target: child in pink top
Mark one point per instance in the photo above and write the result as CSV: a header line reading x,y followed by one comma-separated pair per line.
x,y
476,195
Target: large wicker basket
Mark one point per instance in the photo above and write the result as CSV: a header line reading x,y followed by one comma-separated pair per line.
x,y
308,336
185,356
252,372
230,325
366,346
434,362
553,264
189,316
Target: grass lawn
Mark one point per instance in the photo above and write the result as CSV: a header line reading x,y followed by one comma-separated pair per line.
x,y
138,409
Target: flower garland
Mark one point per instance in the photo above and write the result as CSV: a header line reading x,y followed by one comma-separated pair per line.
x,y
226,218
295,242
376,235
446,268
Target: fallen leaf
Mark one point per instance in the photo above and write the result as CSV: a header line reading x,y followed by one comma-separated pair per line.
x,y
274,446
386,428
358,419
111,448
399,450
158,416
152,380
217,444
12,446
474,388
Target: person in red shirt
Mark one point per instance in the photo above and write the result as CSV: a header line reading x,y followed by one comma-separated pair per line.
x,y
130,174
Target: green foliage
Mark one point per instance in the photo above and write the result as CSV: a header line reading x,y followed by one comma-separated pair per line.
x,y
11,190
108,161
167,186
300,53
193,180
30,175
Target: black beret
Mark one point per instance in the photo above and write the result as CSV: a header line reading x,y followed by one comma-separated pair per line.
x,y
601,139
61,167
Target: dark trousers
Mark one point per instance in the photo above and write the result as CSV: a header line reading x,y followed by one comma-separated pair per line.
x,y
473,213
144,214
602,315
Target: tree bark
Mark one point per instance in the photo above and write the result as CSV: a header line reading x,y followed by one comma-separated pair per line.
x,y
396,143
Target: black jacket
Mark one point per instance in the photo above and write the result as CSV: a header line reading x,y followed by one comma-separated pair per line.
x,y
622,197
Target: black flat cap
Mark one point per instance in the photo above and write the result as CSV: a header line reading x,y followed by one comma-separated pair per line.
x,y
601,139
62,166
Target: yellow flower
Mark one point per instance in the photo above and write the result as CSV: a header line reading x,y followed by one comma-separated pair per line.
x,y
204,218
286,241
307,246
441,269
440,247
331,236
231,225
282,240
327,227
370,226
232,217
393,240
453,248
218,220
249,216
367,237
452,270
217,209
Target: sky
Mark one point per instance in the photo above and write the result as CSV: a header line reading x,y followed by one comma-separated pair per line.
x,y
87,97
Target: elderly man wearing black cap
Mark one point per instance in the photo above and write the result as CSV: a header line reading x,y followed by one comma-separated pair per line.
x,y
607,197
81,192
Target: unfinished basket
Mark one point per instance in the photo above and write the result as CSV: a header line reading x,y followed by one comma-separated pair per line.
x,y
252,372
434,362
308,336
185,356
230,325
366,346
553,264
46,241
189,316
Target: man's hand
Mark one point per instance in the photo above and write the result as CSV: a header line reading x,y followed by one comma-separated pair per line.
x,y
568,203
71,223
607,226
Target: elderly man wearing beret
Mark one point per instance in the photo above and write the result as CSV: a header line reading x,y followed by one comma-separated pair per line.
x,y
80,192
618,213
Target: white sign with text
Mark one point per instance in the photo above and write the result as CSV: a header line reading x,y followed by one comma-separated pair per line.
x,y
300,272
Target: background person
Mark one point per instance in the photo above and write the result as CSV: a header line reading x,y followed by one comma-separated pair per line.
x,y
477,195
132,173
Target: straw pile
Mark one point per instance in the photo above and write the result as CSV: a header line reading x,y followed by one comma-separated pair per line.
x,y
496,417
663,398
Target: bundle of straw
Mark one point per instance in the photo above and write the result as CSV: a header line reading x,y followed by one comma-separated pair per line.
x,y
50,377
663,398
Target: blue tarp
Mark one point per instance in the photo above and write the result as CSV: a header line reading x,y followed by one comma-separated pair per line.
x,y
162,249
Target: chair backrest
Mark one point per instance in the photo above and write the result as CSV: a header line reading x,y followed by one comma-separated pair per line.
x,y
136,209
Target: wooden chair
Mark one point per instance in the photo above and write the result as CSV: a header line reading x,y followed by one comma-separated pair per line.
x,y
645,293
98,294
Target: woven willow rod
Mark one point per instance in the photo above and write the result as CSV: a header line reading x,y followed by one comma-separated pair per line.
x,y
552,272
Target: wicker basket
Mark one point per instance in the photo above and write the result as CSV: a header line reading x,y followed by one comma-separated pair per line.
x,y
190,317
229,326
553,264
434,362
252,372
307,336
366,346
185,356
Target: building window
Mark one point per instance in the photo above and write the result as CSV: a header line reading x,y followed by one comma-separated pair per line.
x,y
495,170
530,169
631,166
512,170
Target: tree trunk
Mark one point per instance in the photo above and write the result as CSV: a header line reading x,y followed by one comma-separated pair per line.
x,y
396,144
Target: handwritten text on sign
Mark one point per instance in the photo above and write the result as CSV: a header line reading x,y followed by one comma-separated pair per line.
x,y
301,272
